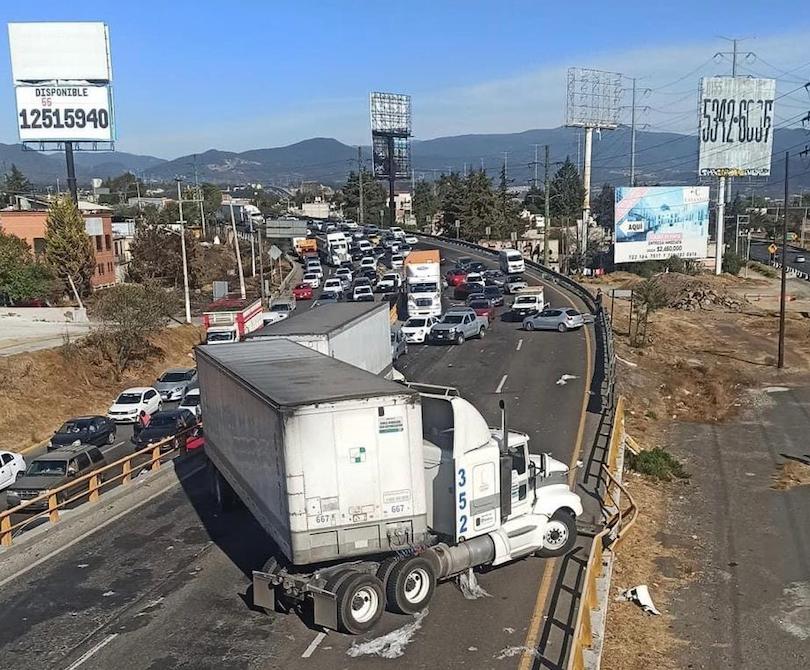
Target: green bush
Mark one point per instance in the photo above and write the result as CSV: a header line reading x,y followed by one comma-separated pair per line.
x,y
657,463
732,263
764,270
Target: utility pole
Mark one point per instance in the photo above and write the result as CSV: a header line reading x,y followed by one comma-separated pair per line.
x,y
252,251
199,196
781,357
360,175
261,266
238,254
506,165
633,137
183,253
547,226
536,165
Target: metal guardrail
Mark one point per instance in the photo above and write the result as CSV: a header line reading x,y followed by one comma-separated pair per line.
x,y
90,487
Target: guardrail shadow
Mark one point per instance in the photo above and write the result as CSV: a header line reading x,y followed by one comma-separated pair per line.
x,y
556,637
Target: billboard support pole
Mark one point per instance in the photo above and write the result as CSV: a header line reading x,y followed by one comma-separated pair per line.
x,y
721,216
781,357
71,173
586,182
392,180
547,210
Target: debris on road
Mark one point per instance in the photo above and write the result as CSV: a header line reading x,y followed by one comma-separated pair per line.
x,y
390,645
641,596
511,652
562,381
792,474
469,586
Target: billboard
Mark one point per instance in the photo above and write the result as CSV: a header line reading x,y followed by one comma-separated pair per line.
x,y
390,113
736,126
593,98
63,51
402,156
657,222
64,113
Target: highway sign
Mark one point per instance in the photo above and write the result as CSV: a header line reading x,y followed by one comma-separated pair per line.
x,y
772,249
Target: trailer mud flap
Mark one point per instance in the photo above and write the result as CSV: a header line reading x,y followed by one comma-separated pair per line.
x,y
264,591
325,608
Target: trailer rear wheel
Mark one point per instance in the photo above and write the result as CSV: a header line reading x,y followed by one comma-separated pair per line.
x,y
410,586
560,535
360,603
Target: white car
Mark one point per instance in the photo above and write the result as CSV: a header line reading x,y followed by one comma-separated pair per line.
x,y
315,268
390,281
417,328
191,402
344,274
410,239
312,280
475,278
368,263
396,231
12,465
396,261
278,311
334,285
363,294
129,403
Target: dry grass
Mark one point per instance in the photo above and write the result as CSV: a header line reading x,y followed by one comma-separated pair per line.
x,y
39,390
791,475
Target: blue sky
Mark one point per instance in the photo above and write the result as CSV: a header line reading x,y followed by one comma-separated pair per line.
x,y
189,76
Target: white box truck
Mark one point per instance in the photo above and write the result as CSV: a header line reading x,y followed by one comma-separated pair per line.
x,y
372,491
423,278
333,248
357,333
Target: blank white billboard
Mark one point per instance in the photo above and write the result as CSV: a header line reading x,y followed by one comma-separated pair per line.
x,y
66,51
736,126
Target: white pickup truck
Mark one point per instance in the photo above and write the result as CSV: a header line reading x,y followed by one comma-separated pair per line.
x,y
527,301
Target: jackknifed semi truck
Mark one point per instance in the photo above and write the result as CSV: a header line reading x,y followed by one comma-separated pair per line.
x,y
372,491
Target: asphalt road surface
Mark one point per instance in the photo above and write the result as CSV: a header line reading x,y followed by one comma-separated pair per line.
x,y
168,586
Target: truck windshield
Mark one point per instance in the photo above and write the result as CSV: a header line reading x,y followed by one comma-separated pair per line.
x,y
525,299
219,337
424,287
514,256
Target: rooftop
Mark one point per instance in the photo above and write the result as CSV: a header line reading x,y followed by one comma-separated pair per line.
x,y
320,320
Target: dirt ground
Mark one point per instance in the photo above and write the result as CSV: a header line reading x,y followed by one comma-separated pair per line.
x,y
697,367
38,390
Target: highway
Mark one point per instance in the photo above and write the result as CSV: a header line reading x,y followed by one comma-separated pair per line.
x,y
168,585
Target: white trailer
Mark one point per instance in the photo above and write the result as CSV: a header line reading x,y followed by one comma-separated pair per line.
x,y
357,333
333,248
371,490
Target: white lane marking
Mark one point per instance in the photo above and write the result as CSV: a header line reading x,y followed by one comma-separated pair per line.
x,y
313,645
500,386
92,651
519,344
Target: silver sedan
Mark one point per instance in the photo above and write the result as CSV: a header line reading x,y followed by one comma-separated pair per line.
x,y
561,319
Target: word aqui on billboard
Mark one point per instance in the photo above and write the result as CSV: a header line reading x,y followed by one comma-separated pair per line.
x,y
736,126
657,222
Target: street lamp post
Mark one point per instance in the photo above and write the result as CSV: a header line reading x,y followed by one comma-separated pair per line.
x,y
183,253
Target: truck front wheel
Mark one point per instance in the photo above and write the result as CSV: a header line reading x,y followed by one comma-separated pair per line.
x,y
460,338
410,586
360,603
560,535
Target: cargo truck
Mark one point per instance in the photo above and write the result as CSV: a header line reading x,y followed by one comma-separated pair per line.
x,y
423,278
333,248
231,318
528,300
371,491
357,333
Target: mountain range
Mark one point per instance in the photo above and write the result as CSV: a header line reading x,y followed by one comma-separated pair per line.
x,y
661,158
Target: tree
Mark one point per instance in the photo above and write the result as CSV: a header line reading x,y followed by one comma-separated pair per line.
x,y
604,207
534,200
481,207
648,296
374,198
425,203
157,255
508,220
129,315
68,249
21,278
566,191
451,193
15,183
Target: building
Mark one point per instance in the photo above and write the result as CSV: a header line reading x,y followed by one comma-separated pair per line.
x,y
27,220
315,210
123,235
404,208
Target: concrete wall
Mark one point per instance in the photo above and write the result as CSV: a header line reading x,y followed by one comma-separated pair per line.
x,y
53,314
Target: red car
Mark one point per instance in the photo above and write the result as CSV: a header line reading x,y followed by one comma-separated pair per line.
x,y
483,308
302,292
456,277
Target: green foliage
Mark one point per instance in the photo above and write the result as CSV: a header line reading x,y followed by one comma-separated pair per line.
x,y
157,255
508,220
648,296
732,263
20,277
68,249
425,203
129,315
566,191
764,270
481,207
535,200
15,183
452,194
603,209
657,463
375,199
